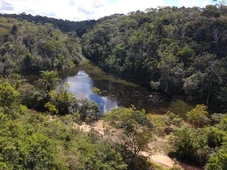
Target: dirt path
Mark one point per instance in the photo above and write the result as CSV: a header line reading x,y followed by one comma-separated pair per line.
x,y
162,159
159,157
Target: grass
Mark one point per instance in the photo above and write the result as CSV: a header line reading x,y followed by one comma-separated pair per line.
x,y
179,107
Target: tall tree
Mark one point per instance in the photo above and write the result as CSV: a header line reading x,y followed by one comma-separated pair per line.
x,y
136,128
49,80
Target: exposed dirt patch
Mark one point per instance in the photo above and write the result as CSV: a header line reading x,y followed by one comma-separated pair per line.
x,y
159,157
51,118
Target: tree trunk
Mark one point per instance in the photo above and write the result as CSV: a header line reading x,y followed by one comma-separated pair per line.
x,y
208,97
167,83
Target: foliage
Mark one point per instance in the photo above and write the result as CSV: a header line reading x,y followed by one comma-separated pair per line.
x,y
89,110
70,27
191,145
173,119
203,145
49,80
198,116
216,117
63,101
8,95
173,50
136,128
51,108
33,141
218,161
158,123
28,95
28,48
96,90
164,123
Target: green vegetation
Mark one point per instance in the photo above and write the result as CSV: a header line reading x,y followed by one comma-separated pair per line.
x,y
203,145
137,128
198,116
28,48
70,27
32,141
173,50
36,140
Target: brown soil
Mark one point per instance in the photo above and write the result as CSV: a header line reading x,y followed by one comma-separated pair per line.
x,y
159,157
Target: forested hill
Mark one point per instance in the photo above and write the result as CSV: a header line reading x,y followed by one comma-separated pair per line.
x,y
174,50
28,48
65,26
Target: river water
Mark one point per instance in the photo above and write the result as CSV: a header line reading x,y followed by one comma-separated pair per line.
x,y
115,92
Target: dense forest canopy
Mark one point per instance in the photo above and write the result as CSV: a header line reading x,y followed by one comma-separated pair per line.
x,y
174,50
80,27
29,48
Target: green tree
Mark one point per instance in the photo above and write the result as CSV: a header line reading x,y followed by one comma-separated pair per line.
x,y
88,110
62,102
191,144
198,116
211,11
27,95
173,119
170,71
136,128
49,80
17,80
8,95
219,160
14,29
51,108
40,152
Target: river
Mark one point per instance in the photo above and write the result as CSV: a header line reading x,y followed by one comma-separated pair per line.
x,y
115,92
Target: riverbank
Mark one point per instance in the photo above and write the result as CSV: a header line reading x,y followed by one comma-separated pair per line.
x,y
115,92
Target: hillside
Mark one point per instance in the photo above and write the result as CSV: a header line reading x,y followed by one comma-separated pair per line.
x,y
28,48
66,26
174,50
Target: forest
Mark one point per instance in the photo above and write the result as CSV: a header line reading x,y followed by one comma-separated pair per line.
x,y
173,51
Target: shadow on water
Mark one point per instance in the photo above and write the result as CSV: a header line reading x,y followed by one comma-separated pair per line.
x,y
120,93
116,92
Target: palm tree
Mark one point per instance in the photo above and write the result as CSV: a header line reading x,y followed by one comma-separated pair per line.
x,y
49,79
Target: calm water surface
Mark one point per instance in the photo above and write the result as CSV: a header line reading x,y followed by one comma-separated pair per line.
x,y
81,86
118,93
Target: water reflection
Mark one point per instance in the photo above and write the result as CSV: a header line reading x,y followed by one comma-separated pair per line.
x,y
119,93
81,86
113,94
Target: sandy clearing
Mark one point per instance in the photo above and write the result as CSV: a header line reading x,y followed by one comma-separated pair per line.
x,y
163,160
99,126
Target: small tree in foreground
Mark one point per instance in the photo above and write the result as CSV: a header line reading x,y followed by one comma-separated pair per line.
x,y
135,127
198,115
